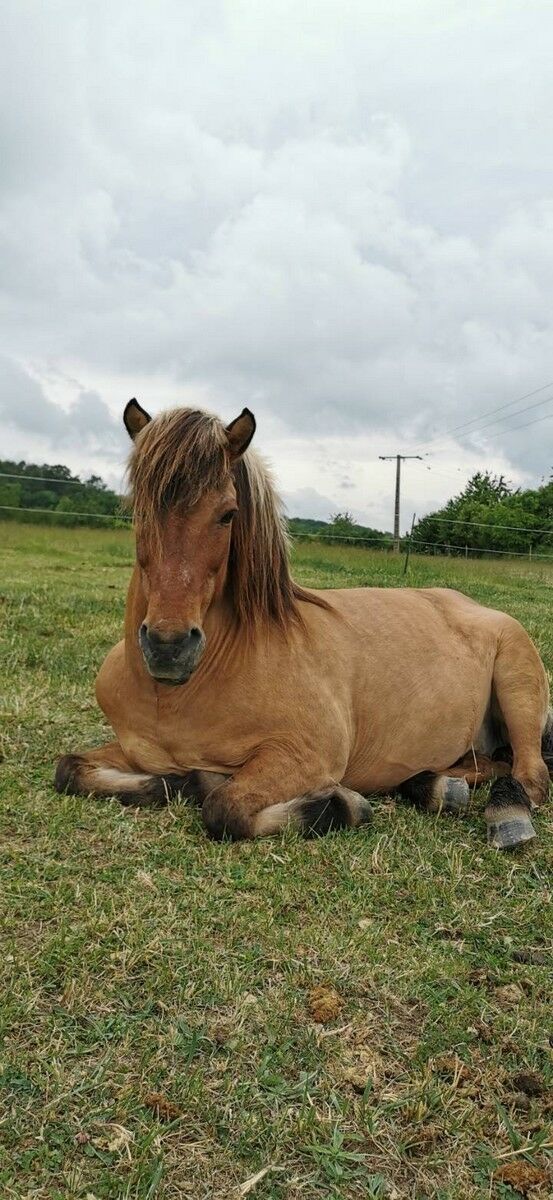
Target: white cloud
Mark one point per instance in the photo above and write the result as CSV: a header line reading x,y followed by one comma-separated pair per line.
x,y
336,214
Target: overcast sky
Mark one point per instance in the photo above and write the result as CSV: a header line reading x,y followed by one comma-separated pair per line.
x,y
337,212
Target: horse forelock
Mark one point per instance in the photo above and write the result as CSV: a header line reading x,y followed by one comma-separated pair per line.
x,y
179,457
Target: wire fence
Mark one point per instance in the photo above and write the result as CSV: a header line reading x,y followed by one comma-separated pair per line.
x,y
478,550
414,543
446,520
456,548
46,479
62,512
483,524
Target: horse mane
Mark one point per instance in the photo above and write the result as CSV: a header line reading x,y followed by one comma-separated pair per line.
x,y
184,453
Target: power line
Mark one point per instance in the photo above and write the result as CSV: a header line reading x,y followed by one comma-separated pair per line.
x,y
444,474
498,420
526,424
511,428
500,408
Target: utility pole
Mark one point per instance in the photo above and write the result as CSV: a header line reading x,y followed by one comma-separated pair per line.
x,y
399,459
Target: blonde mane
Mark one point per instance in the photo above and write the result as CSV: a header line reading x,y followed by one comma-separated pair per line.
x,y
181,455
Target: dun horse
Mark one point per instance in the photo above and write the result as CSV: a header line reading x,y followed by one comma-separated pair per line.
x,y
274,704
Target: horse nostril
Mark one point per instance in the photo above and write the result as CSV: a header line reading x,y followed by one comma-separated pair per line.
x,y
172,644
171,657
151,636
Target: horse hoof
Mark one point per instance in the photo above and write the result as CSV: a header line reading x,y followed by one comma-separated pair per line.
x,y
456,795
511,833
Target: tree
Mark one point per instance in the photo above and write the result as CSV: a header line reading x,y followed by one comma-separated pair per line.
x,y
63,492
485,488
488,515
343,523
10,493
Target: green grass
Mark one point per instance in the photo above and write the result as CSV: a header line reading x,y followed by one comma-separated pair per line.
x,y
138,957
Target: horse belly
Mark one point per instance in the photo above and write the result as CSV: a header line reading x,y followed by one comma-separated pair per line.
x,y
423,722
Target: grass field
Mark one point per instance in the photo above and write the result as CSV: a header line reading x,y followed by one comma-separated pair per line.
x,y
157,1008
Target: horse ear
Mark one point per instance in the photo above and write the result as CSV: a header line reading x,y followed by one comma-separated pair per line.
x,y
240,433
136,418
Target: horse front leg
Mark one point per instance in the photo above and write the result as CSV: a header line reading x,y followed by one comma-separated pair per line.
x,y
105,771
271,793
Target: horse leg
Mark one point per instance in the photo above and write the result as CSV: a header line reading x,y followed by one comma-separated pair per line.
x,y
321,811
435,793
522,695
546,747
547,744
105,771
269,794
478,768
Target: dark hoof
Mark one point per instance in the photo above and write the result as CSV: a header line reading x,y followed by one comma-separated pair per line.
x,y
456,795
66,779
510,833
324,813
332,809
224,821
365,811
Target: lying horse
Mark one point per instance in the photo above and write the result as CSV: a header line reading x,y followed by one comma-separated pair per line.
x,y
273,704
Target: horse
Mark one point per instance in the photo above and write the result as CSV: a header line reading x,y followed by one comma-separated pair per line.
x,y
271,704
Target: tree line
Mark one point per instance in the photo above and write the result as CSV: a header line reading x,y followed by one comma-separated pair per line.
x,y
488,514
341,528
46,489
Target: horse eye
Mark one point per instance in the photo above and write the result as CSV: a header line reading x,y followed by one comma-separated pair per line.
x,y
227,517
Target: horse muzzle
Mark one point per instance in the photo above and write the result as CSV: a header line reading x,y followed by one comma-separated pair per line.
x,y
171,659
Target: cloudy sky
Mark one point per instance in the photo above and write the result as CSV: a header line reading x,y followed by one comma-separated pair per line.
x,y
337,212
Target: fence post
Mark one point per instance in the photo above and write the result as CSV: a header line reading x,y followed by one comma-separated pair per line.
x,y
408,550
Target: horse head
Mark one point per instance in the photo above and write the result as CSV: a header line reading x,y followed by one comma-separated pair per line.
x,y
183,475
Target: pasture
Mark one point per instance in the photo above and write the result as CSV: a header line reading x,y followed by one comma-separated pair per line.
x,y
158,993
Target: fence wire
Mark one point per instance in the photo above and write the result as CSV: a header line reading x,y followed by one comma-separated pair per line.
x,y
447,520
459,549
